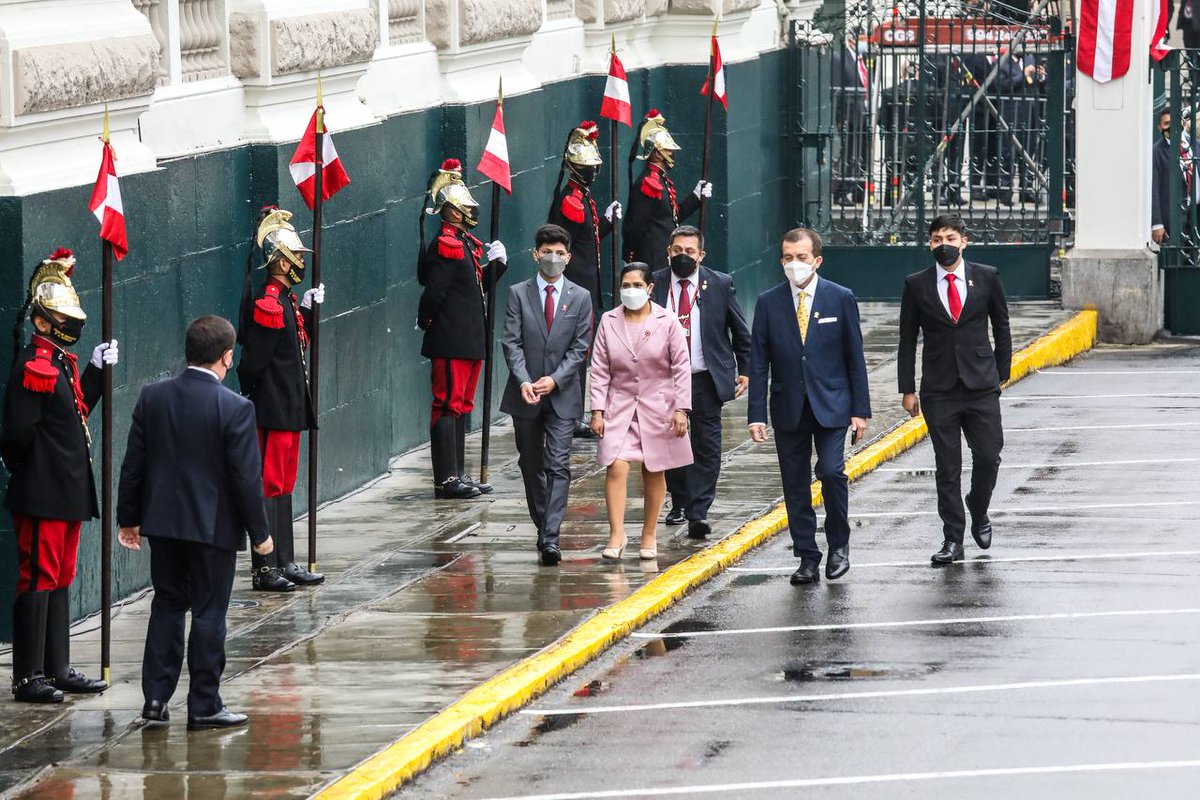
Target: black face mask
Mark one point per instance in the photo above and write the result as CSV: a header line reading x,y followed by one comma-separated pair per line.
x,y
66,333
683,265
585,175
946,254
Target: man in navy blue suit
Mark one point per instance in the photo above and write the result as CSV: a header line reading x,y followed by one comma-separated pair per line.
x,y
191,483
806,354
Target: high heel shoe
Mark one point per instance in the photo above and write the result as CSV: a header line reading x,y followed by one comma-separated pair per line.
x,y
612,553
647,554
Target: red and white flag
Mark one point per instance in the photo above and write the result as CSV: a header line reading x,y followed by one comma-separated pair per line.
x,y
106,203
494,163
616,103
304,164
718,69
1158,44
1105,38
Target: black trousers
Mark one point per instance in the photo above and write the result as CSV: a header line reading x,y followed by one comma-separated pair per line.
x,y
951,416
187,576
544,443
694,487
794,449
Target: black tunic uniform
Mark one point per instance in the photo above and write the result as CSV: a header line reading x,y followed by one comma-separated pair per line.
x,y
575,211
451,310
273,371
654,211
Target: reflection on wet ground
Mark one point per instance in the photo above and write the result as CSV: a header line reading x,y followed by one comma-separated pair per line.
x,y
424,600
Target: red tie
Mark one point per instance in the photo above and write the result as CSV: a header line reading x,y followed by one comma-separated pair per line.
x,y
685,306
549,307
952,296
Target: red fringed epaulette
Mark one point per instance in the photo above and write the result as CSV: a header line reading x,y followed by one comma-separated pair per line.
x,y
450,246
572,206
40,373
652,186
268,311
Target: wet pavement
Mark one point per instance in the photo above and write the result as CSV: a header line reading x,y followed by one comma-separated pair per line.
x,y
424,600
1063,662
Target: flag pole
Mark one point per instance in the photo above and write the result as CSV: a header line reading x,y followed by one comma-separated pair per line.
x,y
314,336
708,118
614,161
106,451
489,322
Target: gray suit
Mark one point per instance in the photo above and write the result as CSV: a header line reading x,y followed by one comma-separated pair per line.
x,y
544,430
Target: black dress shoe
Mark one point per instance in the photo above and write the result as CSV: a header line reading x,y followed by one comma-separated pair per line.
x,y
222,719
551,555
156,711
699,529
484,488
77,683
809,572
455,489
676,517
302,577
270,579
981,532
950,552
584,431
36,690
838,562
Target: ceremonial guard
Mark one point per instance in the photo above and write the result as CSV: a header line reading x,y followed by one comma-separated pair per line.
x,y
51,492
452,312
273,373
654,206
574,210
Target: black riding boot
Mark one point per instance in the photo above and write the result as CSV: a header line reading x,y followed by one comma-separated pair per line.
x,y
265,569
285,545
57,662
443,450
29,685
460,445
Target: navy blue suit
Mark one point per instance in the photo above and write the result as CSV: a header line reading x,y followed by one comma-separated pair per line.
x,y
192,480
814,388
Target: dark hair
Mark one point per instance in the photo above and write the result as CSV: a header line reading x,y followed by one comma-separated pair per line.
x,y
951,221
687,230
207,339
800,234
552,234
638,266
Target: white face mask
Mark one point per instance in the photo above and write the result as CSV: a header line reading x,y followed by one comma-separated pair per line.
x,y
634,299
798,272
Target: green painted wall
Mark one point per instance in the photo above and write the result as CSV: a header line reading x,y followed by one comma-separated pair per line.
x,y
189,224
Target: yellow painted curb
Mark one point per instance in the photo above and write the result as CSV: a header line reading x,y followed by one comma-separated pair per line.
x,y
504,693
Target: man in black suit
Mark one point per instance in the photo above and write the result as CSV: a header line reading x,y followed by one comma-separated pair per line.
x,y
191,483
806,356
1166,170
719,340
951,303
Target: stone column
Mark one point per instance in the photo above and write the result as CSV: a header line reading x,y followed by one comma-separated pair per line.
x,y
404,75
475,38
1110,266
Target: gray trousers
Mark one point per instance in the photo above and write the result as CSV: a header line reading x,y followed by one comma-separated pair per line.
x,y
544,443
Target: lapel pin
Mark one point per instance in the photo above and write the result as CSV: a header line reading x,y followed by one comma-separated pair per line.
x,y
816,315
704,286
971,284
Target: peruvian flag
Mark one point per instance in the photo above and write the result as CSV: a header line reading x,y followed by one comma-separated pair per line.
x,y
1105,38
718,69
106,203
494,163
616,105
1158,44
304,163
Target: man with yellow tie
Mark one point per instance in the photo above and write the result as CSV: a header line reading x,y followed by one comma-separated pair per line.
x,y
812,324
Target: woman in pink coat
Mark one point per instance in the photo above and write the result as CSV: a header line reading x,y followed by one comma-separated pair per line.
x,y
641,395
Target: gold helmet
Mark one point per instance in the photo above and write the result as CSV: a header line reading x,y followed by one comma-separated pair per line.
x,y
50,288
582,150
655,136
278,240
448,189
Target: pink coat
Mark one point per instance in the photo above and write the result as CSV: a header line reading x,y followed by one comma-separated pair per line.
x,y
652,376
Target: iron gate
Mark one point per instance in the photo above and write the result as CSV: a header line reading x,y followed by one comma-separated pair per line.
x,y
1174,191
902,113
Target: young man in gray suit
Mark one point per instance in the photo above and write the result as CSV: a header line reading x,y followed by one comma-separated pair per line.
x,y
545,340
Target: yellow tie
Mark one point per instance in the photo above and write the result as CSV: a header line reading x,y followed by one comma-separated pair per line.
x,y
802,316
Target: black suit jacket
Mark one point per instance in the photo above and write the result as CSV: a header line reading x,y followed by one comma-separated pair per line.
x,y
192,468
651,216
724,334
952,351
272,369
1166,169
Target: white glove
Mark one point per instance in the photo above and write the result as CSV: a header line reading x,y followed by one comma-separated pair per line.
x,y
496,252
614,210
703,189
105,354
315,295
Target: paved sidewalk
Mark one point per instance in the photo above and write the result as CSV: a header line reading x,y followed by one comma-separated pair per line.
x,y
425,599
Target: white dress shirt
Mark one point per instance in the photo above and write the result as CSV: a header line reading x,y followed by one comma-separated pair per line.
x,y
542,284
809,291
205,369
694,341
960,283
